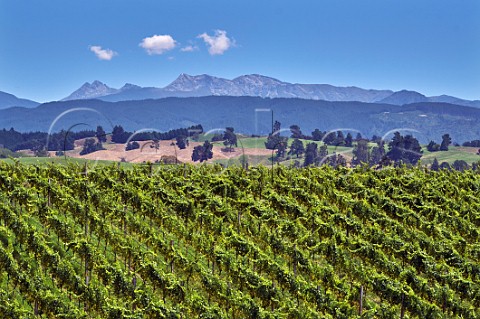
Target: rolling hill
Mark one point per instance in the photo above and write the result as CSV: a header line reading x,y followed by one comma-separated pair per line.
x,y
252,115
9,100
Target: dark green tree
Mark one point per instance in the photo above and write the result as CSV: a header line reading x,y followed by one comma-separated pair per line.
x,y
91,146
101,135
433,147
62,141
376,139
336,160
230,138
181,142
207,151
119,136
202,152
155,144
377,153
446,141
296,132
435,166
349,140
445,165
311,154
277,142
296,148
282,147
460,165
322,152
317,135
360,153
276,127
340,139
197,153
330,138
404,149
413,150
132,146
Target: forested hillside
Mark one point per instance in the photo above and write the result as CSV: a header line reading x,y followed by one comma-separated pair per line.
x,y
251,115
209,242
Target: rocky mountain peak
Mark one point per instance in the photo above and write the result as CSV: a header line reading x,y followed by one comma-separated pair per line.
x,y
91,91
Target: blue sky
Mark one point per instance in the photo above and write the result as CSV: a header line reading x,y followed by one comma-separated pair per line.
x,y
50,48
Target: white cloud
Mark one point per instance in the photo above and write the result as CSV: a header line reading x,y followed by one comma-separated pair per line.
x,y
158,44
103,54
218,43
189,48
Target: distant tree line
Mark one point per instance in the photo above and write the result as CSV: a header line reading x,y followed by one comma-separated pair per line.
x,y
64,141
474,143
458,165
434,147
59,141
6,153
120,136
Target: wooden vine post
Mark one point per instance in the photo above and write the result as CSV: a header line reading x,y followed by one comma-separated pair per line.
x,y
402,310
360,310
171,263
295,260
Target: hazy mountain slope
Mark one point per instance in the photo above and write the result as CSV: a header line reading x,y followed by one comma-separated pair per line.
x,y
404,97
454,100
252,115
8,100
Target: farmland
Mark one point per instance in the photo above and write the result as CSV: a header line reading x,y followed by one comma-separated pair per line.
x,y
250,150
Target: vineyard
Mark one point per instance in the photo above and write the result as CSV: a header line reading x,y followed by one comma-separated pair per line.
x,y
212,242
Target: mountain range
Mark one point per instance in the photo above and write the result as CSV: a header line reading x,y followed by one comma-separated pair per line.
x,y
255,85
246,103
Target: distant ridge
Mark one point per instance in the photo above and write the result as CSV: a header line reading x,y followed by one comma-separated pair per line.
x,y
428,120
405,97
9,100
258,86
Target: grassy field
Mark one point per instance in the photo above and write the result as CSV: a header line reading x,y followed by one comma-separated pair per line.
x,y
468,154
